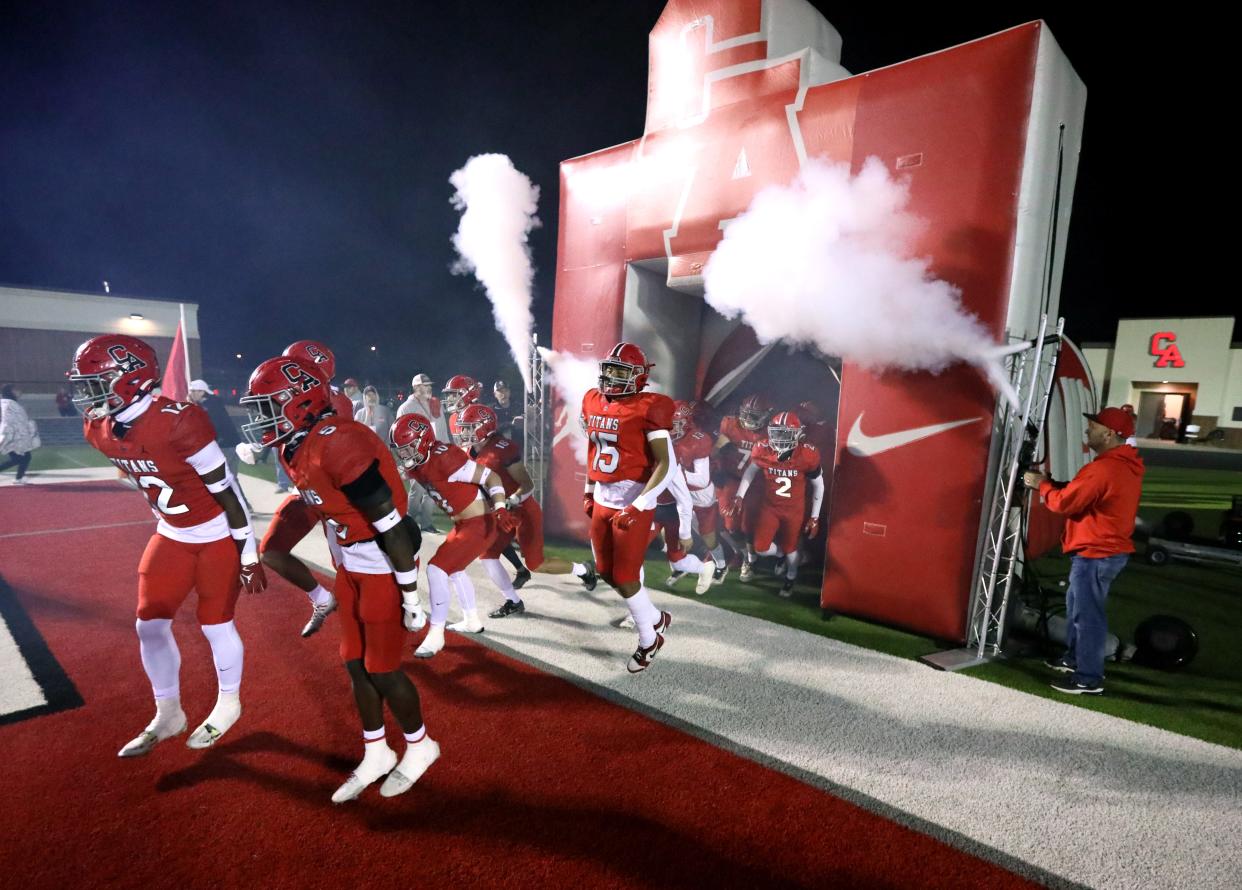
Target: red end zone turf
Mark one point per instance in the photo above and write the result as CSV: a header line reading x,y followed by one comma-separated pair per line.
x,y
540,783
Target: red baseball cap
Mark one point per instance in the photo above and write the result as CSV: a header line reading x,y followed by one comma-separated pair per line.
x,y
1119,421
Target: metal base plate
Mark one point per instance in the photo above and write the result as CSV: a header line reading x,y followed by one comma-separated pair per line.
x,y
955,659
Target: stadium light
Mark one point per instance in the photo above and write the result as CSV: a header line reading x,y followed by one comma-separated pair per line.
x,y
372,348
239,355
136,316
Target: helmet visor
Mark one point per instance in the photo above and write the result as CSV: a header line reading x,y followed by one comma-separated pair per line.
x,y
93,395
783,438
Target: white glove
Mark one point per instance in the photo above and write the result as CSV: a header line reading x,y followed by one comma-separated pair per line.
x,y
247,453
412,614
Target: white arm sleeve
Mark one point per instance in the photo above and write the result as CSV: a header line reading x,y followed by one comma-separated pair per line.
x,y
681,497
817,495
206,459
747,477
647,500
701,474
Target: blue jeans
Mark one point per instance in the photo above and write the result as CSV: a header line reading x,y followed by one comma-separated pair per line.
x,y
282,478
1086,614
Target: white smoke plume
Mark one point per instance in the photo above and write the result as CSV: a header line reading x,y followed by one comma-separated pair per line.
x,y
572,376
498,204
825,262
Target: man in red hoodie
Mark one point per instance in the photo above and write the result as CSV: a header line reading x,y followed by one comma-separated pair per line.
x,y
1099,506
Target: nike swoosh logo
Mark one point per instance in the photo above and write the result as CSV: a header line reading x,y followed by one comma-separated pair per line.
x,y
859,443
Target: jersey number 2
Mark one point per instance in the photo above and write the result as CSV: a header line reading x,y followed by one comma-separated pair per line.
x,y
165,495
607,457
783,484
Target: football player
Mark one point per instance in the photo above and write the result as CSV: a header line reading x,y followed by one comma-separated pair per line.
x,y
629,463
479,432
690,499
738,436
294,518
348,476
785,463
457,485
460,393
203,540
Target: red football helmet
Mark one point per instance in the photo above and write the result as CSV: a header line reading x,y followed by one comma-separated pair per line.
x,y
285,395
111,372
315,353
413,438
785,431
475,425
753,413
625,371
461,391
683,419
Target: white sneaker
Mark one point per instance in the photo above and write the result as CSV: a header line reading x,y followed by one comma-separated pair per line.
x,y
747,573
706,575
418,757
319,612
163,726
218,722
469,624
432,643
373,768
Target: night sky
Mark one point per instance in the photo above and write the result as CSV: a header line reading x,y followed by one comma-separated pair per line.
x,y
286,165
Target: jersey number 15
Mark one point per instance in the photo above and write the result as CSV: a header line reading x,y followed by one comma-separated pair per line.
x,y
607,457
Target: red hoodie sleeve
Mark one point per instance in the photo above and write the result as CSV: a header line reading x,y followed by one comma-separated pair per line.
x,y
1083,491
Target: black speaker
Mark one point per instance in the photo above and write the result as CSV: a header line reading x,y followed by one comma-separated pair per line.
x,y
1165,642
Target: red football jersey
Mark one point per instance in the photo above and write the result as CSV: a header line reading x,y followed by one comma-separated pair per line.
x,y
433,475
341,404
498,453
153,453
692,447
335,452
736,453
784,481
617,430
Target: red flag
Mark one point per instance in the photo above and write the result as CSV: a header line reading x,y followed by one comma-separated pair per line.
x,y
176,383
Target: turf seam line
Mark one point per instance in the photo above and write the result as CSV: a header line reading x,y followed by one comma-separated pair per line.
x,y
80,528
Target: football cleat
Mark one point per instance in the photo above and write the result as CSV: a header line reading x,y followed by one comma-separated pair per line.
x,y
432,643
747,572
673,577
718,576
371,770
319,612
508,608
218,722
707,575
520,579
161,728
666,621
418,757
643,656
787,588
469,624
590,579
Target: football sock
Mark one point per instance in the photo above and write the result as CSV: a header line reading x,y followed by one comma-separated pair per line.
x,y
465,591
500,578
375,746
791,565
688,563
438,593
718,554
645,616
419,734
579,570
160,657
227,652
319,596
510,553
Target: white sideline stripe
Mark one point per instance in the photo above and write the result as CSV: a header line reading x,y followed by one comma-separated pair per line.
x,y
19,691
79,528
